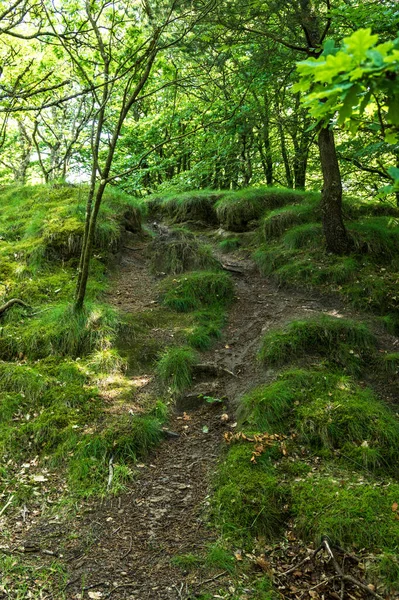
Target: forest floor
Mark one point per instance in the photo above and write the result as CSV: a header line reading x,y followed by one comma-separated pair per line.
x,y
129,546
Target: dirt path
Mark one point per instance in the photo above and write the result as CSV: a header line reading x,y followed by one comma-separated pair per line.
x,y
124,547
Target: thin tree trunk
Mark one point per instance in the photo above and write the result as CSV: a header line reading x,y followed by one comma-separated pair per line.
x,y
288,174
335,233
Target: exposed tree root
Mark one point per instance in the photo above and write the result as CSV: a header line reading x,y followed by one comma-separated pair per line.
x,y
10,303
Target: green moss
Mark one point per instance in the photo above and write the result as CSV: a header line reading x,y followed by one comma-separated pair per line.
x,y
302,236
174,367
329,412
239,210
197,290
344,342
277,221
248,500
352,512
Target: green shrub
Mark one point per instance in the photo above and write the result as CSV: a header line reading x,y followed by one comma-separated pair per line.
x,y
174,367
344,342
197,290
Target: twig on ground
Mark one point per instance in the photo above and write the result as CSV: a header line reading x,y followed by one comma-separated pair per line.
x,y
130,548
212,578
110,473
118,587
7,504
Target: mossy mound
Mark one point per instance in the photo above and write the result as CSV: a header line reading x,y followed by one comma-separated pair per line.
x,y
343,342
197,290
180,251
240,210
354,513
174,367
277,221
48,220
329,412
195,207
248,500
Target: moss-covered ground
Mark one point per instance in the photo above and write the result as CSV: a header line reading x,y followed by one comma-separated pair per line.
x,y
332,469
315,450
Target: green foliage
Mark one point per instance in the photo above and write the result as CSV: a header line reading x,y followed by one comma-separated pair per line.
x,y
180,251
359,76
207,329
26,578
174,367
186,561
197,290
352,512
378,236
346,343
248,500
240,210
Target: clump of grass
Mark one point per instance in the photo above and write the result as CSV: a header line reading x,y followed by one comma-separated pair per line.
x,y
345,342
197,290
218,557
302,236
174,367
277,221
187,561
328,411
378,236
230,245
248,500
124,438
207,329
391,363
241,209
179,252
61,331
352,512
196,206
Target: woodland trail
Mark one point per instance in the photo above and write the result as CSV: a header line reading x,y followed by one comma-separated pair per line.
x,y
123,548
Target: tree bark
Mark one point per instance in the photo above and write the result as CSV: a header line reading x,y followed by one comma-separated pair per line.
x,y
5,307
335,233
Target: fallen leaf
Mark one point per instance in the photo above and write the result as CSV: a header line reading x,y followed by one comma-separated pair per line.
x,y
95,595
205,429
395,506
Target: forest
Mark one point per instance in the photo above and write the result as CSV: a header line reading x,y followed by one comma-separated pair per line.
x,y
199,299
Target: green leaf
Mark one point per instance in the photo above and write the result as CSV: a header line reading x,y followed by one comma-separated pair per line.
x,y
359,42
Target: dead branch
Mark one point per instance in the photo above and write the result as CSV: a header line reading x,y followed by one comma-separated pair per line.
x,y
11,303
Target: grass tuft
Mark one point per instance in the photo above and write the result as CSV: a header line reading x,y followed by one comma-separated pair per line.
x,y
240,210
197,290
179,252
174,367
344,342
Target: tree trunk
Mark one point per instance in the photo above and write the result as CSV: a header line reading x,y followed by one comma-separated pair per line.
x,y
335,233
288,174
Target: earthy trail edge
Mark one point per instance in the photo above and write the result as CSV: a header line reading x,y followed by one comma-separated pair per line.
x,y
124,546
